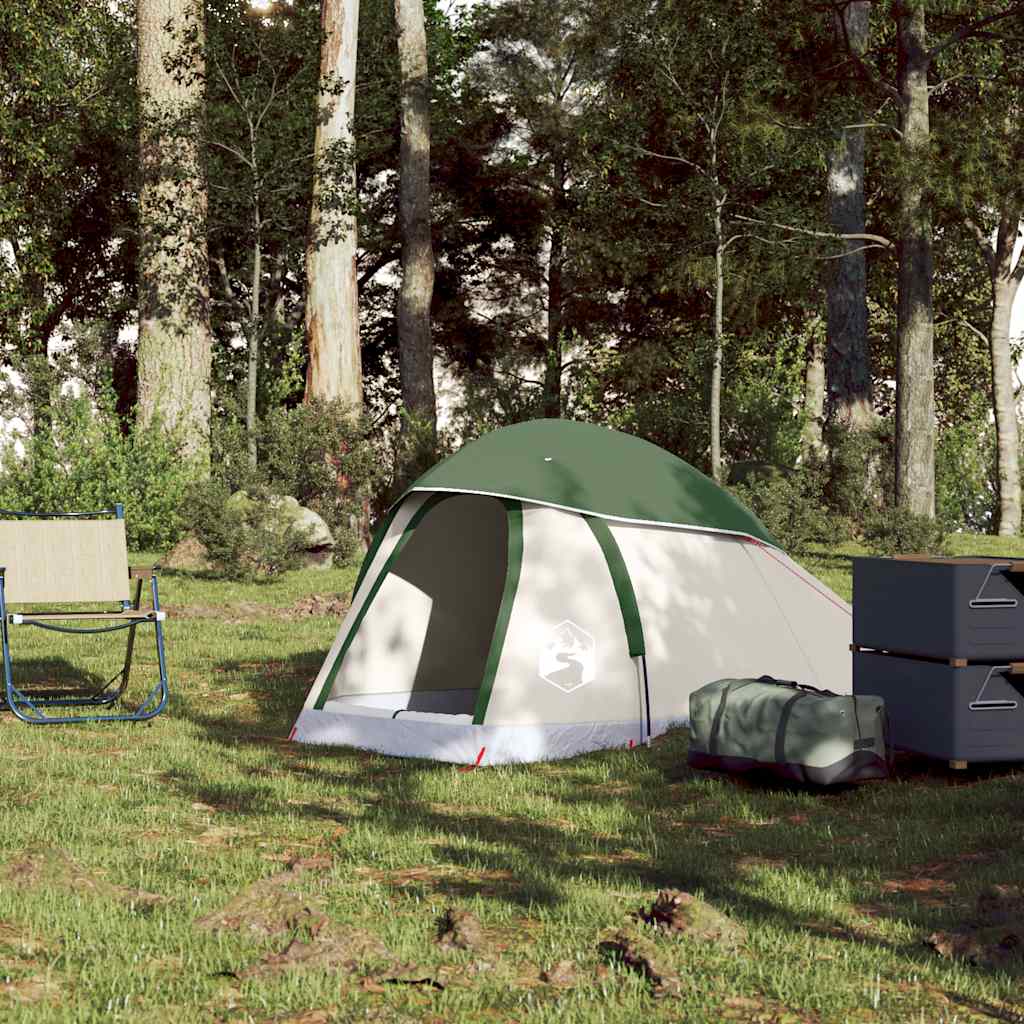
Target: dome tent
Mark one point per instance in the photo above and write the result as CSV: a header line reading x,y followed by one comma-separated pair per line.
x,y
556,587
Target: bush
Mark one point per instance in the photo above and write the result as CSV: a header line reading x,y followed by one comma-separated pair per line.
x,y
85,462
315,453
791,505
966,487
896,531
245,536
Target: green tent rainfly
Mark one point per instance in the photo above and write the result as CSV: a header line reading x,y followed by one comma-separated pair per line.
x,y
556,587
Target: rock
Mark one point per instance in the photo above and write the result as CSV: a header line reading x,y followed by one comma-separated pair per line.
x,y
681,913
641,955
459,929
189,554
319,552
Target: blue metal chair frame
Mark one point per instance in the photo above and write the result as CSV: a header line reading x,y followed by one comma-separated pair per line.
x,y
31,706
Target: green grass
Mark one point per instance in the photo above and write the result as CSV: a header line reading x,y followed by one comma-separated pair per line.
x,y
210,798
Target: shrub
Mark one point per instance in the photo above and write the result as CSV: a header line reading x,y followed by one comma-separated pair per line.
x,y
316,453
791,505
85,462
896,531
246,537
966,490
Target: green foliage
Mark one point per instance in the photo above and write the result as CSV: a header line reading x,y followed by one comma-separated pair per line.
x,y
966,491
791,504
85,462
67,170
315,453
246,535
894,531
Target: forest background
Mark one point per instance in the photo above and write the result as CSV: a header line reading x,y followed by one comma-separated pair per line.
x,y
781,240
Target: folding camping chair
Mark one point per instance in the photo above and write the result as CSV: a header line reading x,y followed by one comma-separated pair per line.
x,y
51,559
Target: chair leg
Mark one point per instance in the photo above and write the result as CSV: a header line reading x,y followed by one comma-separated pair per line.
x,y
31,707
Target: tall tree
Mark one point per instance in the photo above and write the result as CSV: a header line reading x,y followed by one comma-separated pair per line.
x,y
848,360
544,64
416,356
700,80
175,340
262,89
915,368
67,181
332,297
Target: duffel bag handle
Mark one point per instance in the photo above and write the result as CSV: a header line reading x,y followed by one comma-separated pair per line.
x,y
812,689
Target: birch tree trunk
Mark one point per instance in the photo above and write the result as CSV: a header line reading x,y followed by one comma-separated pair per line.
x,y
716,365
814,392
335,368
915,368
175,341
1006,277
849,357
415,351
552,394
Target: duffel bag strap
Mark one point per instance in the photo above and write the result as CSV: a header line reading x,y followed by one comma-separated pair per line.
x,y
780,729
716,724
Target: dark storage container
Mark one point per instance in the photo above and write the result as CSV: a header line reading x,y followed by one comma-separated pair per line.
x,y
970,713
964,608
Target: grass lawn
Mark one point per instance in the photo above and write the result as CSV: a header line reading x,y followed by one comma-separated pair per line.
x,y
160,872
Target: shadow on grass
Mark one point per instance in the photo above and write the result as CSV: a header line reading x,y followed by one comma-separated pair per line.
x,y
54,674
699,844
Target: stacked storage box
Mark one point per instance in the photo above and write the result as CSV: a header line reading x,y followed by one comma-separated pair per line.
x,y
942,641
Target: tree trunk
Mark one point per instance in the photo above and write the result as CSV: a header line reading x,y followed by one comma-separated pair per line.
x,y
254,340
335,368
415,352
716,366
849,356
175,341
1006,280
814,393
915,369
552,394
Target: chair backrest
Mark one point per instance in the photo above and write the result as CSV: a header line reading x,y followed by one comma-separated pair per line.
x,y
64,560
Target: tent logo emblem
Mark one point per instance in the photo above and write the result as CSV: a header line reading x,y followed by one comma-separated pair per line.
x,y
568,658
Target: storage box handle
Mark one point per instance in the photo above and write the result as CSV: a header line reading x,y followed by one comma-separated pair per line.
x,y
996,602
1014,669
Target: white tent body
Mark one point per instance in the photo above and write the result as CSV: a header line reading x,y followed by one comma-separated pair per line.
x,y
489,631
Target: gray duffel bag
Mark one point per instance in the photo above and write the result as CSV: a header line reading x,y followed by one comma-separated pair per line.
x,y
791,730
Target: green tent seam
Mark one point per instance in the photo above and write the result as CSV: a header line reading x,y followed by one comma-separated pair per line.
x,y
513,569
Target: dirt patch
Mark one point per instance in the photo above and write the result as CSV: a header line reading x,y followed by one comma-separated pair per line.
x,y
995,938
50,867
761,1011
21,942
37,988
753,863
459,929
681,913
563,974
189,554
641,955
221,835
332,949
269,907
330,605
326,605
